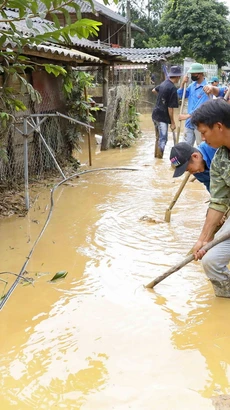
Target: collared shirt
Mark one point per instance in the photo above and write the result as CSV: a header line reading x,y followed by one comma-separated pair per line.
x,y
220,180
207,154
196,96
222,91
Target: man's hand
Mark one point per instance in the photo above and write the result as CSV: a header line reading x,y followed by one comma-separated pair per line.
x,y
173,126
197,250
184,80
213,218
211,89
208,89
183,117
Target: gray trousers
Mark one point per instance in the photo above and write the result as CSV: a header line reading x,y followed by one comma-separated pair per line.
x,y
191,136
215,263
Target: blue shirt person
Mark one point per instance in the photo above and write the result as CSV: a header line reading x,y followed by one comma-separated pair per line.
x,y
215,81
196,93
207,153
196,96
195,160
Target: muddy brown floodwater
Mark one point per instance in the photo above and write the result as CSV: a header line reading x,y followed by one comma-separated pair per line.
x,y
98,339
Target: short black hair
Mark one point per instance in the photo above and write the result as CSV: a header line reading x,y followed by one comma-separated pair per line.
x,y
211,112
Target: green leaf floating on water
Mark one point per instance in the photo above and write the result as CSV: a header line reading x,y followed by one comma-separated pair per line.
x,y
59,275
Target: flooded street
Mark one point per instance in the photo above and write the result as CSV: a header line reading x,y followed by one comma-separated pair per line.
x,y
97,339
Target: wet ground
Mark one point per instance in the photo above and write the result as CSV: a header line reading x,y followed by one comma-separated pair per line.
x,y
98,339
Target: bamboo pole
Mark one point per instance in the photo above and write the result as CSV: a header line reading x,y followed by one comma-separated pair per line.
x,y
188,259
181,187
174,137
181,110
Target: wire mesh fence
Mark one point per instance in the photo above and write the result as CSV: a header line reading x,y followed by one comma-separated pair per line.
x,y
52,128
12,166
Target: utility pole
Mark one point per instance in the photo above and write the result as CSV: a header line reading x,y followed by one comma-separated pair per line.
x,y
128,25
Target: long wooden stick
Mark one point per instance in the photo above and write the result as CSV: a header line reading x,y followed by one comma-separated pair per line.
x,y
174,137
188,259
181,110
180,189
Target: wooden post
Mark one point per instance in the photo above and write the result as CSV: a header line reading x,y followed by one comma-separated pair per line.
x,y
88,129
128,26
26,173
105,84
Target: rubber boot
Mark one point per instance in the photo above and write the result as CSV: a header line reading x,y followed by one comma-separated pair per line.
x,y
158,153
221,287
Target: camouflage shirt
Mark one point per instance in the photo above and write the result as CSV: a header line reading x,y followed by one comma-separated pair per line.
x,y
220,180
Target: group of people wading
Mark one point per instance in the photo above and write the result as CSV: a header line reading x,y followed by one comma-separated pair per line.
x,y
207,120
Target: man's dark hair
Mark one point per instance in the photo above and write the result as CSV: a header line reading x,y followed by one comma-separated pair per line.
x,y
211,112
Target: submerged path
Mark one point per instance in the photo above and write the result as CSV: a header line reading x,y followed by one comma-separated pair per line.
x,y
97,339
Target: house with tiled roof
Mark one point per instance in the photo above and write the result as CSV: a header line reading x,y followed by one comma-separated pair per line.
x,y
98,52
92,54
113,29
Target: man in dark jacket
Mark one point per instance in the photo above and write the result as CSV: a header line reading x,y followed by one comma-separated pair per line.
x,y
163,113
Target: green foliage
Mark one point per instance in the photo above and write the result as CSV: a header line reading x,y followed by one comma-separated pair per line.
x,y
127,125
150,38
59,275
4,117
82,28
34,94
146,17
78,107
156,8
201,28
13,72
51,30
152,9
55,69
18,105
15,66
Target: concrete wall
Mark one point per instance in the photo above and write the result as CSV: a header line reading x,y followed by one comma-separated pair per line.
x,y
146,101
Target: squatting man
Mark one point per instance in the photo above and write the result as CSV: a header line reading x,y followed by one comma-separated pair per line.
x,y
213,122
